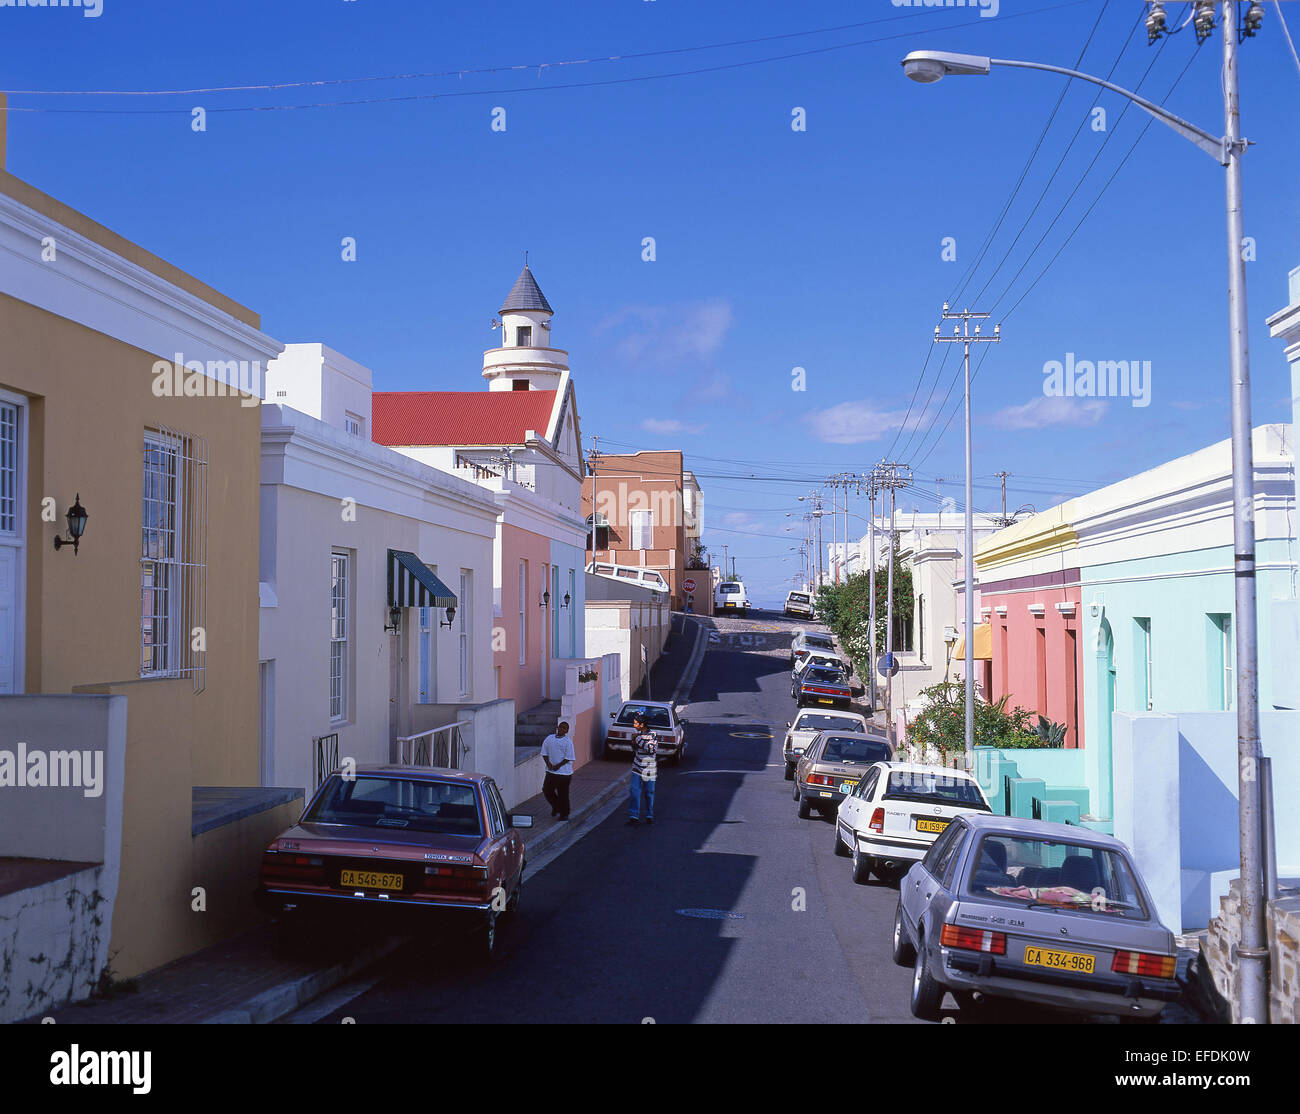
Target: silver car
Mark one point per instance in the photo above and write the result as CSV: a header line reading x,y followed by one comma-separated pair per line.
x,y
1053,914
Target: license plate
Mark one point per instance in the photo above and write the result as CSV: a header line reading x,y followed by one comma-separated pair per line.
x,y
825,794
1060,961
825,700
847,786
370,880
931,825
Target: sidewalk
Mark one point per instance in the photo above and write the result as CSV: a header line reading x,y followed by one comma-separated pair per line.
x,y
243,980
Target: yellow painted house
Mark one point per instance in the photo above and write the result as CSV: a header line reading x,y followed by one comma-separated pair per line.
x,y
129,390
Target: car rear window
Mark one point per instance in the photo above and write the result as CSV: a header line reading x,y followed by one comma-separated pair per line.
x,y
818,673
728,587
845,748
1056,873
795,597
654,717
366,801
934,788
822,721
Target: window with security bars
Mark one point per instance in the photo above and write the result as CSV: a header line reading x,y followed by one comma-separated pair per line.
x,y
8,468
173,556
339,627
463,633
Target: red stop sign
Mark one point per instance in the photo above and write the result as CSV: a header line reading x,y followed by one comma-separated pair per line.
x,y
689,584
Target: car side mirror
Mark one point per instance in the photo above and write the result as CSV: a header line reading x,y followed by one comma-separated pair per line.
x,y
521,820
612,714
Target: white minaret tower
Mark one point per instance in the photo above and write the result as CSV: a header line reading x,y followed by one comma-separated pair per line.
x,y
525,361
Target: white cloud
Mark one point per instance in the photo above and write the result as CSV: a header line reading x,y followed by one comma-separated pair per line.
x,y
668,334
1051,410
669,426
852,423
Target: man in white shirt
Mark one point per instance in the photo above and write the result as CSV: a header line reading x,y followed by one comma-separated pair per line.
x,y
557,753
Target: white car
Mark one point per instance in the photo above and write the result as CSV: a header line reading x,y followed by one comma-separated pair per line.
x,y
731,596
825,659
811,722
807,641
660,718
896,811
798,605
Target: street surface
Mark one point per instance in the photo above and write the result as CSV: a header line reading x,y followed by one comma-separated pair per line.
x,y
774,929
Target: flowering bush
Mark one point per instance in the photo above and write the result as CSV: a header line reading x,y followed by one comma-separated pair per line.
x,y
942,723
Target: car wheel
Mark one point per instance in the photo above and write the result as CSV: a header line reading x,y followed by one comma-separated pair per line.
x,y
805,808
861,867
904,953
842,849
789,771
681,754
485,937
795,794
927,995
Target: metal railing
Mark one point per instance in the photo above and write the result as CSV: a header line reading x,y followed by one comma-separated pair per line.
x,y
326,755
441,746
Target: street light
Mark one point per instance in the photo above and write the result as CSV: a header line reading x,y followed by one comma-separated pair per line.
x,y
929,66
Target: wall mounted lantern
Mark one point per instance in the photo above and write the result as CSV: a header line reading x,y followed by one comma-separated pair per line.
x,y
451,618
566,599
546,600
394,618
76,526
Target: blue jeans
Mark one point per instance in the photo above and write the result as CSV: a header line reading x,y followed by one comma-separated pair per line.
x,y
634,797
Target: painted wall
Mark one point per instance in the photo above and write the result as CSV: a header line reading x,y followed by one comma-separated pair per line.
x,y
522,683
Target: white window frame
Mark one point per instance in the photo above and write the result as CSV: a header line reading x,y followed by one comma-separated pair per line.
x,y
523,612
641,525
465,634
340,634
349,420
1144,626
165,654
17,537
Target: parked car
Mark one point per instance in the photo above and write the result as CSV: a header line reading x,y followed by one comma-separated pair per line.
x,y
825,658
630,574
660,718
1048,913
404,844
897,811
821,685
808,724
805,641
731,596
831,767
798,605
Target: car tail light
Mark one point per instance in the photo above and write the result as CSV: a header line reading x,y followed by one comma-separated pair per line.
x,y
973,939
877,823
455,879
822,779
1144,963
280,866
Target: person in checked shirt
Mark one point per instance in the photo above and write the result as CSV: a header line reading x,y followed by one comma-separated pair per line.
x,y
645,748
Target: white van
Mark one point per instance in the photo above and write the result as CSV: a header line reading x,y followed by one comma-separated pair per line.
x,y
730,595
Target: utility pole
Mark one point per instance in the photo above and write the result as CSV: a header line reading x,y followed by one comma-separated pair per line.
x,y
592,458
892,476
872,488
939,481
733,568
961,334
1003,521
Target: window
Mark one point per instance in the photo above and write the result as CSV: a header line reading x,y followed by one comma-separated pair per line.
x,y
173,570
496,822
8,468
426,677
1219,658
523,612
1077,877
494,795
1144,697
573,613
642,523
524,336
353,424
463,619
339,634
1040,652
935,858
519,384
920,626
902,632
374,801
597,531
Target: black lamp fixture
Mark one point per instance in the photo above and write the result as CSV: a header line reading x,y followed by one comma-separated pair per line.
x,y
566,599
451,618
394,618
546,600
76,526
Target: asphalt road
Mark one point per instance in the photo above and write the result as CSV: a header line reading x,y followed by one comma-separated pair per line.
x,y
729,909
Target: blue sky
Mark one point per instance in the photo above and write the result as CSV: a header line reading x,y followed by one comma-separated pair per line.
x,y
775,248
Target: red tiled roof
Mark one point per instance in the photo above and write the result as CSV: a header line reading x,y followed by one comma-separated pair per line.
x,y
459,417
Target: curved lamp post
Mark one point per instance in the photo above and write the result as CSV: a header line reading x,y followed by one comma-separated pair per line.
x,y
929,66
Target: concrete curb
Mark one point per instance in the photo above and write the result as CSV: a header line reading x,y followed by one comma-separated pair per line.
x,y
274,1003
542,843
687,680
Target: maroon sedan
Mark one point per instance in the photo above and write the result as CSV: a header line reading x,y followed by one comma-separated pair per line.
x,y
407,843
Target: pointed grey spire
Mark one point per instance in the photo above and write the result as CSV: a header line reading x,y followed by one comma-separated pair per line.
x,y
526,295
